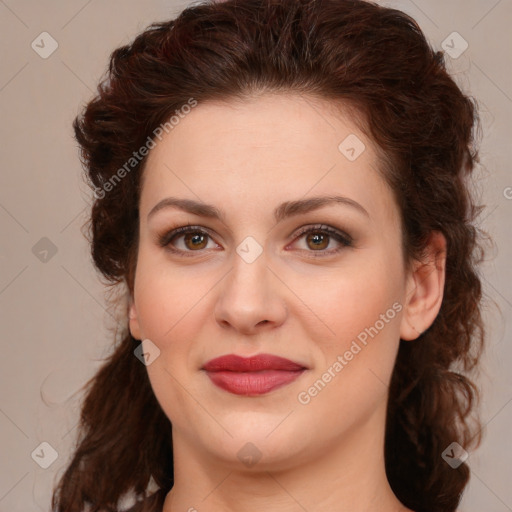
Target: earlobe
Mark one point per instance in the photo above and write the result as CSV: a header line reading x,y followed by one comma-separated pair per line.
x,y
424,289
134,321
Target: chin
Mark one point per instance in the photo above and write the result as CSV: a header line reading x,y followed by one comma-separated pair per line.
x,y
258,444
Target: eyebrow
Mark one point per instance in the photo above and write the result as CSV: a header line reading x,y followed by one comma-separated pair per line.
x,y
283,211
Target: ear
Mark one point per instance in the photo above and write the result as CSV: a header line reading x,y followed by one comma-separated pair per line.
x,y
134,320
424,289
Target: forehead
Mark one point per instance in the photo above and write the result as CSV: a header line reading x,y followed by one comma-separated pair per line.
x,y
256,153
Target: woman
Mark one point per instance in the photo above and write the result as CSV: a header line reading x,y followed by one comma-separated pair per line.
x,y
281,186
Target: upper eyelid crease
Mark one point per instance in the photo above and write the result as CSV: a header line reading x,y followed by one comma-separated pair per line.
x,y
283,211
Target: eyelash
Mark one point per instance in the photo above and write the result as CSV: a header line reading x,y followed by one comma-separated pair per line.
x,y
344,239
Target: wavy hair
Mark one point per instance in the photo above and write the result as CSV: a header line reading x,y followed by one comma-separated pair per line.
x,y
372,59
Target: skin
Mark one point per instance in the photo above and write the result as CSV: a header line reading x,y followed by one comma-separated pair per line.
x,y
246,158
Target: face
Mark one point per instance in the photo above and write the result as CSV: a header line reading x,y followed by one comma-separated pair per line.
x,y
321,284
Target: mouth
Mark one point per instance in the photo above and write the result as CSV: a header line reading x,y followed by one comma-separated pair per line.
x,y
252,376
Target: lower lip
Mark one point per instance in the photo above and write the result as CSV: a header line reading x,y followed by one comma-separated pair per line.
x,y
253,383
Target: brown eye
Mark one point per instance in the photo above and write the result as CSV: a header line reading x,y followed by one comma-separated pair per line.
x,y
186,239
195,240
317,240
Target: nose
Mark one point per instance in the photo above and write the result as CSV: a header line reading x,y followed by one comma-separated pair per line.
x,y
251,297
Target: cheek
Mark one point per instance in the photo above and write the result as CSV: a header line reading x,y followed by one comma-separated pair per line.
x,y
166,298
167,310
172,308
354,298
362,309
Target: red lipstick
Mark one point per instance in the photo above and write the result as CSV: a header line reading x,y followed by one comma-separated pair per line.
x,y
252,376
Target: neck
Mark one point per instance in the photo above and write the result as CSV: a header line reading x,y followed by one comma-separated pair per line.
x,y
348,475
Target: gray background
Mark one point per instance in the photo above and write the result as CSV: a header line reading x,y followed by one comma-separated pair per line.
x,y
55,325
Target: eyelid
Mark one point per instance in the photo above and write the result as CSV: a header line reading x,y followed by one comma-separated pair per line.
x,y
330,230
164,239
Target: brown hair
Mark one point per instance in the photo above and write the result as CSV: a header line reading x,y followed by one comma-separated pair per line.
x,y
370,58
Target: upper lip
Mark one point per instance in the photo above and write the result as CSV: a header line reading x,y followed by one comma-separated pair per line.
x,y
235,363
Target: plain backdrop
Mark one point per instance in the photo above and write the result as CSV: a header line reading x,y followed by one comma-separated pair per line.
x,y
54,325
